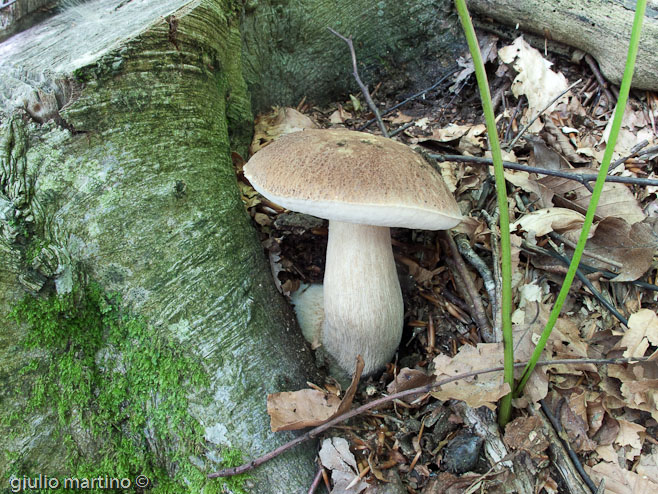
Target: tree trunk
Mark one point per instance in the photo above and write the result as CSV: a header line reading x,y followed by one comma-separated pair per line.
x,y
118,170
118,122
601,28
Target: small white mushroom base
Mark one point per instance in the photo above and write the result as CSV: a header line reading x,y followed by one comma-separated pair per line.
x,y
363,305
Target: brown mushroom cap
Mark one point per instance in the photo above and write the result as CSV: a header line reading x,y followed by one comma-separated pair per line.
x,y
353,177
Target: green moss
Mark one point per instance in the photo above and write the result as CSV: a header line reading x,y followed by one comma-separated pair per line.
x,y
119,392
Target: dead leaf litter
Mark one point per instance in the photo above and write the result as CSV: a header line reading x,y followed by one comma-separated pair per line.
x,y
608,414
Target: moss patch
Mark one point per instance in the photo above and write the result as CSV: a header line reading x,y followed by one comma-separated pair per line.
x,y
119,391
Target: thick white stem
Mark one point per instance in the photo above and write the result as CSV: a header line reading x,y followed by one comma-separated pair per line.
x,y
363,309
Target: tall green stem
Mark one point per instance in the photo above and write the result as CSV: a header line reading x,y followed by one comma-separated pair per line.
x,y
598,187
505,247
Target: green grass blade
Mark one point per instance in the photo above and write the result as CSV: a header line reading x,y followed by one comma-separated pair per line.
x,y
598,187
505,247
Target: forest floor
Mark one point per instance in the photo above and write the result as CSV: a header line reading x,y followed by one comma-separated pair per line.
x,y
577,427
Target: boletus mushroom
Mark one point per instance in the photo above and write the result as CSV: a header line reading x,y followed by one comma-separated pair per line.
x,y
363,184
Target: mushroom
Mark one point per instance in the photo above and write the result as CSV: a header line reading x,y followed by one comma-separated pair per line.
x,y
363,184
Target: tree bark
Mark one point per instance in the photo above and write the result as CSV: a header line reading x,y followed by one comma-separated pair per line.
x,y
117,124
116,157
601,28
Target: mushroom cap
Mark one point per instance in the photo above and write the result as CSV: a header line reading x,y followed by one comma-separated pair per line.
x,y
353,177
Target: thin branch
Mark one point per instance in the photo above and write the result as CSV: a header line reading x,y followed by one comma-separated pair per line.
x,y
572,454
364,88
636,152
527,126
583,178
496,313
316,481
581,276
477,311
452,70
228,472
599,78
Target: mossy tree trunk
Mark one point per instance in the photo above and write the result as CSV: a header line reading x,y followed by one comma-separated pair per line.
x,y
117,124
118,170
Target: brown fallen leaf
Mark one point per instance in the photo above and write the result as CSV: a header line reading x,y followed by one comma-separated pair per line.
x,y
292,410
544,221
477,391
335,455
620,481
632,246
527,434
407,379
616,199
642,331
277,123
534,79
631,437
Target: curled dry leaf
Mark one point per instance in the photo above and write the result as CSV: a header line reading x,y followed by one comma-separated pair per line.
x,y
408,379
273,125
292,410
335,455
632,246
638,388
484,390
620,481
616,199
642,331
534,78
544,221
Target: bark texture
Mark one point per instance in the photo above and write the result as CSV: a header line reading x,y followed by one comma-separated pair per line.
x,y
116,157
601,28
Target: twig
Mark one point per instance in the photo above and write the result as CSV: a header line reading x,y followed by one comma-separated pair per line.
x,y
592,255
527,126
602,82
581,276
572,481
517,108
476,308
572,454
635,152
469,254
364,88
496,309
401,128
228,472
452,70
316,481
583,178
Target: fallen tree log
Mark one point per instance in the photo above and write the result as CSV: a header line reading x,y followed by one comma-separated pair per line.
x,y
601,28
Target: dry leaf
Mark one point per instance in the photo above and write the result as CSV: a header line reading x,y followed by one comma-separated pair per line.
x,y
336,456
620,481
642,331
476,391
544,221
292,410
527,434
631,435
408,379
280,122
632,246
399,118
535,79
616,199
648,466
339,116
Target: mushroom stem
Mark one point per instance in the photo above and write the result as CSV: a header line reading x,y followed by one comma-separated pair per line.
x,y
363,309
